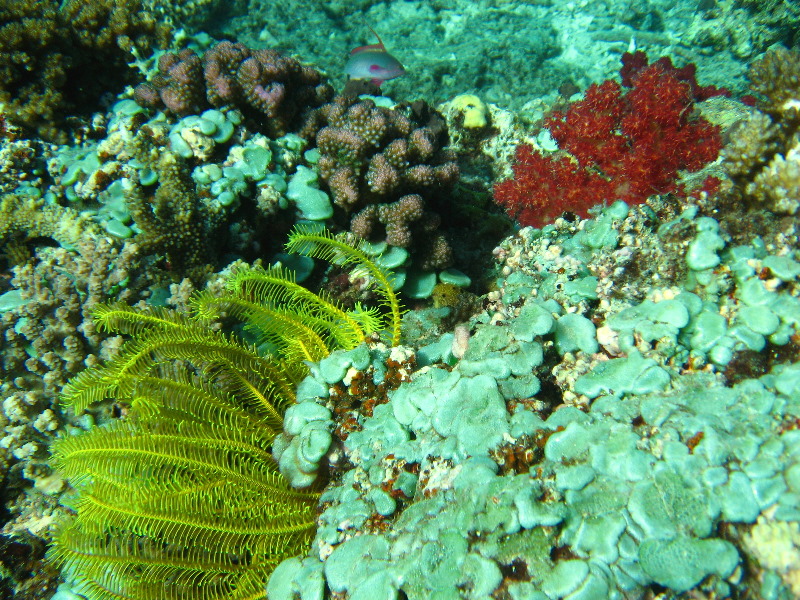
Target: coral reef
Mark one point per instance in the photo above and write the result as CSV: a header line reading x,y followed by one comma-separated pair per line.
x,y
51,54
383,166
762,159
273,88
619,146
214,516
744,28
584,445
615,416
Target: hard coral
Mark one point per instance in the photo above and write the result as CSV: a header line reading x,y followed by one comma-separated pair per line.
x,y
762,158
23,218
51,53
776,78
173,220
268,85
382,166
621,145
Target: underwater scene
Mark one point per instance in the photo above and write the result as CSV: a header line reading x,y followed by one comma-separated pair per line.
x,y
399,300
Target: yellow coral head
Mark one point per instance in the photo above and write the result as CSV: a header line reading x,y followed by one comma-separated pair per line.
x,y
473,110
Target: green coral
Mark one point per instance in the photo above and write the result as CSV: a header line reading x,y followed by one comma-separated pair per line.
x,y
185,488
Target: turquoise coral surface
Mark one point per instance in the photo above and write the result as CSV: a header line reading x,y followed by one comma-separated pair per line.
x,y
458,487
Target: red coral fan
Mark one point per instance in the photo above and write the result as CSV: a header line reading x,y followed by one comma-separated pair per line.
x,y
624,146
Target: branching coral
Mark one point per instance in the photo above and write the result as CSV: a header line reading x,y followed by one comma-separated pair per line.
x,y
24,218
172,219
762,158
625,146
382,167
50,53
274,88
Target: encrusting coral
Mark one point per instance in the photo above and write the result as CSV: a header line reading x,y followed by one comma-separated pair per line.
x,y
50,53
617,145
273,88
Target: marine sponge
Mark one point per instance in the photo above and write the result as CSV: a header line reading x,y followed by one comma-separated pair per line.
x,y
471,111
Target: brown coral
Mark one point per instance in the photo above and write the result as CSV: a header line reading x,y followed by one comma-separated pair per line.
x,y
762,158
776,77
25,218
272,88
173,220
383,166
56,60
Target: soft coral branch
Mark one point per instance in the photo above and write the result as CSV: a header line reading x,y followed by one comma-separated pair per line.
x,y
621,145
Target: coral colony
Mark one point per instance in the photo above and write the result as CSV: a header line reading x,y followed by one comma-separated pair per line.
x,y
526,326
627,145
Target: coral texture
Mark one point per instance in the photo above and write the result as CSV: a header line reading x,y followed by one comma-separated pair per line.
x,y
384,165
776,78
273,87
173,220
762,158
557,459
744,28
22,218
51,52
625,146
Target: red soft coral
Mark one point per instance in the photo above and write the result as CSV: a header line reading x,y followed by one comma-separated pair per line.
x,y
624,146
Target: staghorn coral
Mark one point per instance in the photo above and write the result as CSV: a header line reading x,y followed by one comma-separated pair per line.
x,y
383,166
619,146
273,88
24,218
51,52
173,220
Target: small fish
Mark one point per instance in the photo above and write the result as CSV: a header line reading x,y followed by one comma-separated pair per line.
x,y
373,63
